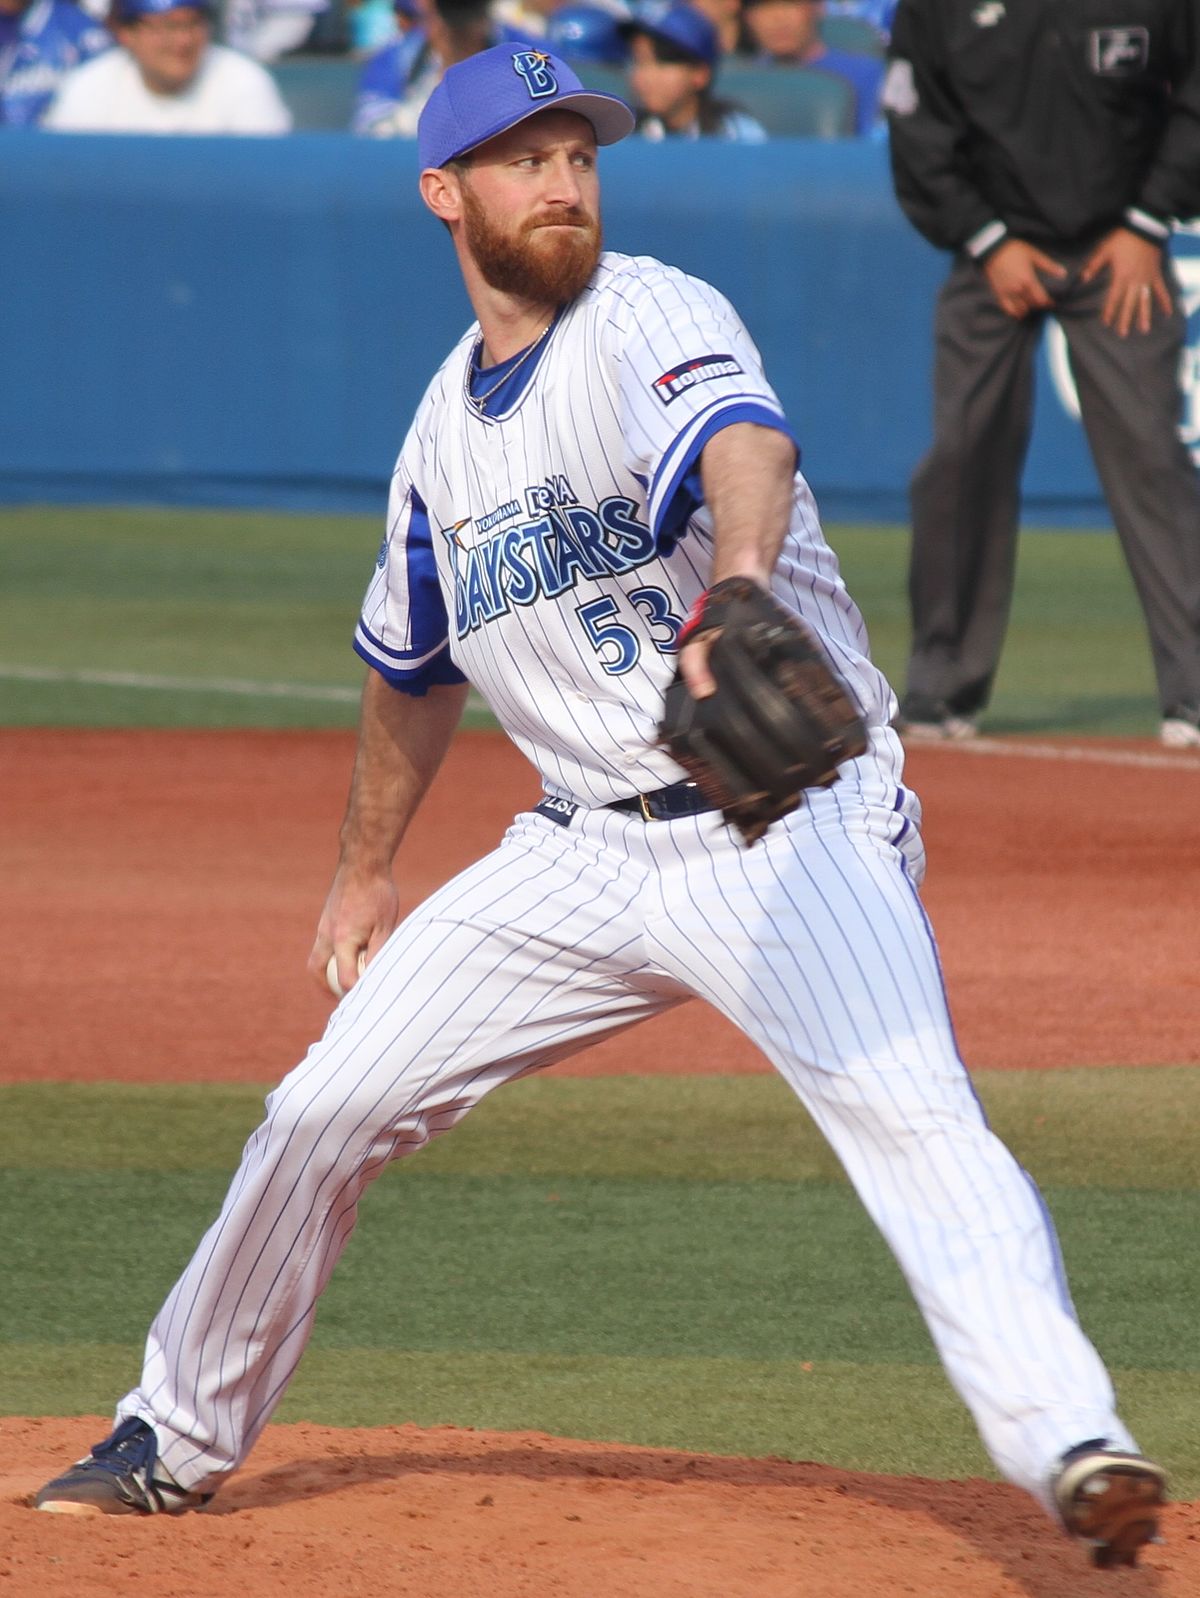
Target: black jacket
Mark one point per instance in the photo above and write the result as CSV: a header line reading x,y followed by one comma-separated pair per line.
x,y
1052,120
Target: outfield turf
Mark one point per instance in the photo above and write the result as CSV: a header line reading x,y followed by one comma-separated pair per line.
x,y
668,1261
671,1261
251,598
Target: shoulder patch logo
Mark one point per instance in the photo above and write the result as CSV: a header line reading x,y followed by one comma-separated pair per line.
x,y
900,89
533,67
1118,52
702,370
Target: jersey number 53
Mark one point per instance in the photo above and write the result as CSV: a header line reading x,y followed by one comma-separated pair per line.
x,y
617,645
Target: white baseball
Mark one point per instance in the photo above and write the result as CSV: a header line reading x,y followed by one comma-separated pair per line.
x,y
331,974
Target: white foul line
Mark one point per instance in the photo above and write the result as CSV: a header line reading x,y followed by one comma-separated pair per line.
x,y
1144,758
194,685
254,688
250,687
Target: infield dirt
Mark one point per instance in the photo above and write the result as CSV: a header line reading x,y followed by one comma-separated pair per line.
x,y
160,894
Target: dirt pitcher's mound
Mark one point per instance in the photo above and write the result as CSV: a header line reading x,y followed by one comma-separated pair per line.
x,y
325,1513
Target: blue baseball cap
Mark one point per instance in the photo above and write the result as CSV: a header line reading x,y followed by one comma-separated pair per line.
x,y
679,24
491,92
588,33
127,10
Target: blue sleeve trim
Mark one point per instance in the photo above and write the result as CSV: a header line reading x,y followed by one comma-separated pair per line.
x,y
413,659
439,672
428,623
426,659
685,493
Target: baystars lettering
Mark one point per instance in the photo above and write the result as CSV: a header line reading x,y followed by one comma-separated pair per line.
x,y
544,557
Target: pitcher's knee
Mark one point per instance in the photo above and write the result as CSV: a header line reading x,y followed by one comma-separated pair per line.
x,y
900,1104
302,1117
336,1117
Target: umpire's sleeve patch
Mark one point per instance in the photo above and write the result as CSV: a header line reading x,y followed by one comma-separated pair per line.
x,y
900,90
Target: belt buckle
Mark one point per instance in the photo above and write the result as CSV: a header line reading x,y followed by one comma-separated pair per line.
x,y
644,807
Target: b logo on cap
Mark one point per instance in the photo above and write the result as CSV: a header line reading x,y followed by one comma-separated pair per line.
x,y
534,67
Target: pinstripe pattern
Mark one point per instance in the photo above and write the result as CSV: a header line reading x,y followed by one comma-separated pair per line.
x,y
591,418
814,943
525,550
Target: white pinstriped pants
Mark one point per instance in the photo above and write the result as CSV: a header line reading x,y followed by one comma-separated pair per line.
x,y
813,942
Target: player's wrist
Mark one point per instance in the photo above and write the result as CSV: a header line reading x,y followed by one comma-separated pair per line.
x,y
365,860
697,620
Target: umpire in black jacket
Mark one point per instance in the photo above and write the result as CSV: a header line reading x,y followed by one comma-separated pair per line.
x,y
1049,143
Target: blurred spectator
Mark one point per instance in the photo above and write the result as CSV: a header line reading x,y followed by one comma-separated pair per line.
x,y
529,18
589,33
167,77
40,41
726,17
396,83
267,29
878,13
674,51
788,32
374,24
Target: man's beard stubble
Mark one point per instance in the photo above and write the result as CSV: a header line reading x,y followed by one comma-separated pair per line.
x,y
549,268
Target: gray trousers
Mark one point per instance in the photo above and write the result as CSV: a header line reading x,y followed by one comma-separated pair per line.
x,y
966,491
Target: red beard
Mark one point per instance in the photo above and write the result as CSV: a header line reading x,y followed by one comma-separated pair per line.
x,y
550,266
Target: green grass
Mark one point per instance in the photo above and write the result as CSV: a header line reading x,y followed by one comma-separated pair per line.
x,y
600,1268
257,597
1073,1128
1076,656
899,1418
652,1260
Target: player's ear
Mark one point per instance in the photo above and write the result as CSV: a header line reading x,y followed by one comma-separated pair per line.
x,y
442,192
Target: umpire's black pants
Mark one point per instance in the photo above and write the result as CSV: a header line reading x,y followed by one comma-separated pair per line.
x,y
966,491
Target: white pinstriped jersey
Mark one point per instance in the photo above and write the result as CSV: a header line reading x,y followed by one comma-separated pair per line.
x,y
550,553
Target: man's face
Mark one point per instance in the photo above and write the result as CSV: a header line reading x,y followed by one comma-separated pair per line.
x,y
168,47
784,27
531,208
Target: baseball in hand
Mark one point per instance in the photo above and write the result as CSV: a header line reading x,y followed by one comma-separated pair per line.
x,y
331,973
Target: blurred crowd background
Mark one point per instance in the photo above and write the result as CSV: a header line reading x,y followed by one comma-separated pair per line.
x,y
1053,158
740,70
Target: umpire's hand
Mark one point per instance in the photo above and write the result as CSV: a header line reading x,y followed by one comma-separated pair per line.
x,y
1014,272
1135,281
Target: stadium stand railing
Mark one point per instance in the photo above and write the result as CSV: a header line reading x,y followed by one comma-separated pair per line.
x,y
319,90
790,102
854,34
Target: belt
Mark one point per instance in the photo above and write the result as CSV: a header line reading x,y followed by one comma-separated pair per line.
x,y
666,804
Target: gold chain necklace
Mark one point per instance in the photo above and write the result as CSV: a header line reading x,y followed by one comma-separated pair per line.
x,y
480,400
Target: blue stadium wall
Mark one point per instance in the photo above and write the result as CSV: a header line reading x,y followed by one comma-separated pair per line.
x,y
251,322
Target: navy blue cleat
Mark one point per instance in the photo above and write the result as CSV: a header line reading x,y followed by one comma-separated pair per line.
x,y
1110,1500
118,1478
